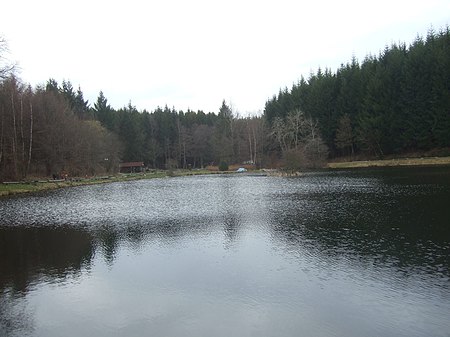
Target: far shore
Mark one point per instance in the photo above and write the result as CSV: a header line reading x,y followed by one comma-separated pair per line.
x,y
10,188
422,161
20,187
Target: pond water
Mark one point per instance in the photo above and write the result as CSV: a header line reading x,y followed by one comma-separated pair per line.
x,y
341,253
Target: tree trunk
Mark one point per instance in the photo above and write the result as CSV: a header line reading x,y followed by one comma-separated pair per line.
x,y
31,139
255,146
1,136
180,153
184,155
14,140
22,139
250,141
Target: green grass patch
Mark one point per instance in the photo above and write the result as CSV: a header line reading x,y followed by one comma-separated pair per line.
x,y
393,162
8,189
13,188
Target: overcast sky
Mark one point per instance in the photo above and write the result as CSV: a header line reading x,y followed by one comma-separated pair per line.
x,y
193,53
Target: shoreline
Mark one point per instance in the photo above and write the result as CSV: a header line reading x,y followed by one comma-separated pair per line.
x,y
8,189
421,161
14,188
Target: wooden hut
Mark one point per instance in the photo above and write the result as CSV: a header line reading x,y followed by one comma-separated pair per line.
x,y
131,167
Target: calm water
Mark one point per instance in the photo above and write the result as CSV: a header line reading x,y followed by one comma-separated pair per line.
x,y
347,253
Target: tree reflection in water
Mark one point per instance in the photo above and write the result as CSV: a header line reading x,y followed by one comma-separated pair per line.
x,y
32,255
372,229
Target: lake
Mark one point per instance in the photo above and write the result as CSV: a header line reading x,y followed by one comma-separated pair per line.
x,y
335,253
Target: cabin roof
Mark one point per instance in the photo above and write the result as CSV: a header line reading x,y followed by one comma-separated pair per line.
x,y
132,164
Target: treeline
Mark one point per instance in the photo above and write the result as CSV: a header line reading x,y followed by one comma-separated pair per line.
x,y
52,131
166,138
49,131
394,103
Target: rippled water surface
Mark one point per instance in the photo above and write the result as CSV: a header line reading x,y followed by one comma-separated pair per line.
x,y
343,253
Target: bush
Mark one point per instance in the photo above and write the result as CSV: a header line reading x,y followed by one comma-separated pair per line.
x,y
223,166
311,154
294,159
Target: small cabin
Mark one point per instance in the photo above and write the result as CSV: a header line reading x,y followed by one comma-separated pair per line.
x,y
131,167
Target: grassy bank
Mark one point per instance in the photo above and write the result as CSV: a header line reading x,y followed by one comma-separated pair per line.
x,y
392,162
12,188
37,185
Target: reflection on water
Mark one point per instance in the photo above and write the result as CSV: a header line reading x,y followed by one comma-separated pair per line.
x,y
354,253
30,254
386,221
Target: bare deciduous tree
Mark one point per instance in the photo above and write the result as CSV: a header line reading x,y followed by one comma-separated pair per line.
x,y
6,66
299,140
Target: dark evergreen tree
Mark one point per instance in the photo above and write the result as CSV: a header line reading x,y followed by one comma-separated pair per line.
x,y
397,101
81,106
52,86
103,112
